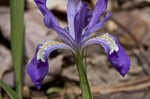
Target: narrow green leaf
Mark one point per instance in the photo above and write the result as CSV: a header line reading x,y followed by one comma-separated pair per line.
x,y
17,41
9,91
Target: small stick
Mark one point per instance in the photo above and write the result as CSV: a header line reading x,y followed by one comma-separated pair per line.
x,y
128,86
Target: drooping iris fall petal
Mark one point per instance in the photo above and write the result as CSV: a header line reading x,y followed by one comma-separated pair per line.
x,y
115,52
49,46
38,67
37,70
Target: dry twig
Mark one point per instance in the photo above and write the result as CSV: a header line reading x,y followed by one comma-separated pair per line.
x,y
128,86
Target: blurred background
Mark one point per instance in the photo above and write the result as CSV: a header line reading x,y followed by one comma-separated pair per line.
x,y
130,23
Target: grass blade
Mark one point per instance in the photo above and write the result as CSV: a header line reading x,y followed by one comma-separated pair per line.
x,y
17,41
9,91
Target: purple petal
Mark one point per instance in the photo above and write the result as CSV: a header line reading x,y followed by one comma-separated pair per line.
x,y
71,11
51,20
115,52
37,70
95,27
64,35
101,6
78,16
42,6
100,24
120,61
49,46
82,19
79,5
38,67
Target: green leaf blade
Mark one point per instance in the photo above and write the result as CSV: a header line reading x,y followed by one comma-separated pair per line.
x,y
8,90
17,41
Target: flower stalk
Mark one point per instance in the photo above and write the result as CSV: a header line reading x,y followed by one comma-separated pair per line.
x,y
85,88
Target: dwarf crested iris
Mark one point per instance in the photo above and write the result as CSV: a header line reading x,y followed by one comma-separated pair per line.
x,y
82,22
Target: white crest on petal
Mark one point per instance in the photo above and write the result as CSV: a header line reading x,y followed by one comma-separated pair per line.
x,y
45,46
110,42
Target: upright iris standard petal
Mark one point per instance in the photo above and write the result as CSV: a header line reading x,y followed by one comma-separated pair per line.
x,y
44,10
71,12
82,19
96,27
78,15
51,22
94,23
101,6
116,54
64,35
37,70
100,24
42,6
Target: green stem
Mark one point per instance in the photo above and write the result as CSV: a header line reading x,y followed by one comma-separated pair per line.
x,y
85,58
86,93
17,41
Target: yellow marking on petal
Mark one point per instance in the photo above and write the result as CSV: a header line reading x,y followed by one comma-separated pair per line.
x,y
114,47
107,38
41,50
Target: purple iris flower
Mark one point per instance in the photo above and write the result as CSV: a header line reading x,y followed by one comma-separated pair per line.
x,y
77,36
